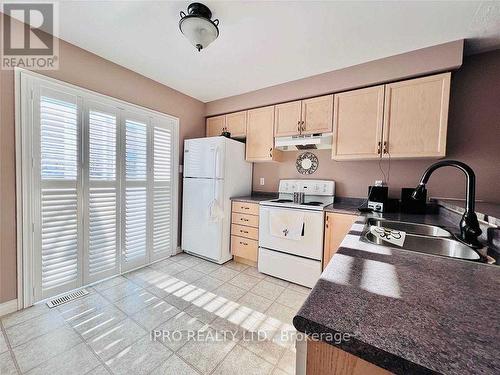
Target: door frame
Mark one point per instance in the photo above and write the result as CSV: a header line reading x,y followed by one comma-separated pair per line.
x,y
24,177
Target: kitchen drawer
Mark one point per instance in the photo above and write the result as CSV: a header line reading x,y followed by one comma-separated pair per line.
x,y
242,219
246,208
244,248
243,231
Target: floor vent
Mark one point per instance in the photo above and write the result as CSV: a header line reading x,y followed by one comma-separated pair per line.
x,y
67,298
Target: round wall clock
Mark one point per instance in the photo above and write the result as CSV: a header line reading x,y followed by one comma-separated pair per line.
x,y
307,163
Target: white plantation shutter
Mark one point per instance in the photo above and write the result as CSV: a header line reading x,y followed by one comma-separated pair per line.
x,y
102,241
58,255
162,191
135,206
99,186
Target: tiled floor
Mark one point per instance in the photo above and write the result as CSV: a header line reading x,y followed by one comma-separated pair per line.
x,y
239,315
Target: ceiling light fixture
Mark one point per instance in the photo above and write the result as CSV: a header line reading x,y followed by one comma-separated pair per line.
x,y
198,26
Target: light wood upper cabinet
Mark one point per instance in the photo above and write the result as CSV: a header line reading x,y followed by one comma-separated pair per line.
x,y
215,125
336,228
260,135
287,118
357,124
416,117
317,114
414,120
307,116
236,124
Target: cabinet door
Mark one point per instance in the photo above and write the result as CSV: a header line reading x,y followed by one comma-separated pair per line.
x,y
260,135
357,124
317,115
287,119
236,124
336,228
215,125
416,117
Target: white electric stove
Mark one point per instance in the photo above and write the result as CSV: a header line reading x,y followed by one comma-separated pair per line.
x,y
317,194
295,259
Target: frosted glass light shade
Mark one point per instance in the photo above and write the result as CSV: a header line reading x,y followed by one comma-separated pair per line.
x,y
199,31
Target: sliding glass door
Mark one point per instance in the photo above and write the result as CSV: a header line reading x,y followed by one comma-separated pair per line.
x,y
103,186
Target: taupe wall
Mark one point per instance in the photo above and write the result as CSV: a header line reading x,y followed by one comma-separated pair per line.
x,y
82,68
443,57
473,137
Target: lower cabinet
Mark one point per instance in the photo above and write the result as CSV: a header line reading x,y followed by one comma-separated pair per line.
x,y
245,232
326,359
336,228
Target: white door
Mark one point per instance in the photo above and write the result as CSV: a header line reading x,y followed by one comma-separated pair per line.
x,y
201,217
57,201
101,193
204,157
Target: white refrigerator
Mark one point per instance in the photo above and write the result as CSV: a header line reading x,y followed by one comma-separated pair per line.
x,y
214,171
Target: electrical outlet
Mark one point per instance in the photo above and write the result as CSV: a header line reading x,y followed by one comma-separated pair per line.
x,y
262,181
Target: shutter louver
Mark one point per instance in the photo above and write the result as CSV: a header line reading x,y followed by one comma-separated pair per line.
x,y
162,191
135,226
135,244
58,195
102,220
102,230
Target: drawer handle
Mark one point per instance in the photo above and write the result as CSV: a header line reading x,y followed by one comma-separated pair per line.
x,y
245,208
243,231
243,243
242,219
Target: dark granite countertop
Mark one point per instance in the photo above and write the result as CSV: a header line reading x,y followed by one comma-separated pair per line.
x,y
256,197
408,312
487,212
345,206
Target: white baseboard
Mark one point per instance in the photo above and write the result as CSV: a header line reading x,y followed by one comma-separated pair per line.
x,y
8,307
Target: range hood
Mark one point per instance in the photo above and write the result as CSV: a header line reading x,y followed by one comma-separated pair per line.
x,y
304,142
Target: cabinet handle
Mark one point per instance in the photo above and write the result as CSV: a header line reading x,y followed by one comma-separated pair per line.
x,y
243,219
271,152
245,208
386,147
303,126
243,231
379,148
298,126
243,243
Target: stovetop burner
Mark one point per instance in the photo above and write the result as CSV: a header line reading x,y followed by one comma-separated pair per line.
x,y
313,204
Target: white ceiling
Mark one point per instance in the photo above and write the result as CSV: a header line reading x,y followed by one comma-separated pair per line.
x,y
263,43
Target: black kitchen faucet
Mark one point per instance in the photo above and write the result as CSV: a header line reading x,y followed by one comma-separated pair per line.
x,y
469,226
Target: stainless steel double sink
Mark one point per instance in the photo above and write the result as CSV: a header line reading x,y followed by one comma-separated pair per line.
x,y
422,238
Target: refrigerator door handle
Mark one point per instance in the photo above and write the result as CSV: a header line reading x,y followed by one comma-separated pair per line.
x,y
216,162
215,209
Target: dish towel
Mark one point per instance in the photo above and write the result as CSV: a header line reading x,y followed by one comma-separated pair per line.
x,y
286,224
